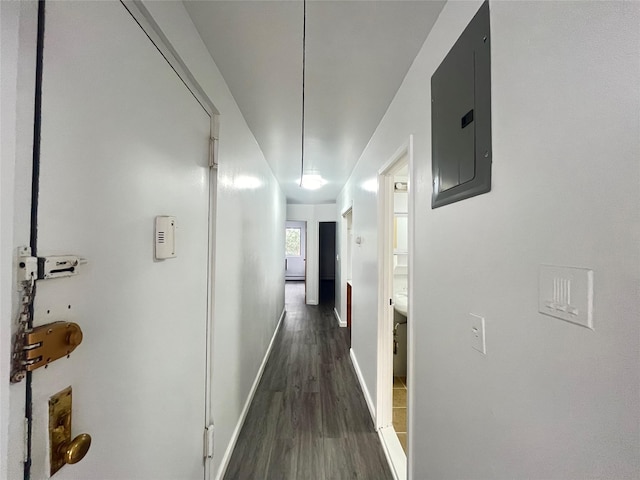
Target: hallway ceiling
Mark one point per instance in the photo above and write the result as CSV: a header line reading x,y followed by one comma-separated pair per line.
x,y
357,55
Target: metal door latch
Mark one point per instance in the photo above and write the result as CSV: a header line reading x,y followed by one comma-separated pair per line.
x,y
44,268
28,271
58,266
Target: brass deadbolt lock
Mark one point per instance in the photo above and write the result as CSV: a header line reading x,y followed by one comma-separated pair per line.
x,y
63,449
47,343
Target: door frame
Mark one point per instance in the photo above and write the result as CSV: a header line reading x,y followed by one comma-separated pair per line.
x,y
19,58
346,255
28,48
384,405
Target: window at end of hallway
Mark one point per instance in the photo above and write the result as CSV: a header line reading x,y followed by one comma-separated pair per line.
x,y
293,242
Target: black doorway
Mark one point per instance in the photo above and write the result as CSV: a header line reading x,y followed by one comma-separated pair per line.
x,y
327,262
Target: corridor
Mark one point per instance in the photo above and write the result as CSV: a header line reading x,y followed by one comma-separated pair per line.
x,y
308,419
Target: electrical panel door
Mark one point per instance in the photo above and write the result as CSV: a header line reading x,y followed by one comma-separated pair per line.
x,y
461,116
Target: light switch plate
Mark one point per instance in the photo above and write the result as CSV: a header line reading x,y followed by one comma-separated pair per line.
x,y
566,293
477,334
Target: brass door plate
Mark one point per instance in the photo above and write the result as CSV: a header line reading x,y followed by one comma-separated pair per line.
x,y
50,342
59,427
62,449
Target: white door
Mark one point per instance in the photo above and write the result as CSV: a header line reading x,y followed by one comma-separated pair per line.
x,y
295,250
123,141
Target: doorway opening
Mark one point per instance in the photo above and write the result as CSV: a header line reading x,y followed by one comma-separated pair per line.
x,y
395,226
327,263
295,262
346,252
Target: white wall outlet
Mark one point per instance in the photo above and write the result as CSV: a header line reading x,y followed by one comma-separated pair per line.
x,y
477,334
566,293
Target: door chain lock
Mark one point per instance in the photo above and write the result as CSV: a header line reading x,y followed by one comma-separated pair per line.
x,y
37,347
27,275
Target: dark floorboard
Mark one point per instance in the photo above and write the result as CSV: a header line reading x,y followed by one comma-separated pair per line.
x,y
308,418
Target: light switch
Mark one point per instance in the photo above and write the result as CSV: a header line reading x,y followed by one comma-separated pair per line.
x,y
477,333
566,293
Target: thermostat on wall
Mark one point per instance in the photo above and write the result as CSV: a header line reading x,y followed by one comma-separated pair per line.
x,y
165,237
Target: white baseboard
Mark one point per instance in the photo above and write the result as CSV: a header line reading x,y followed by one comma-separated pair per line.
x,y
340,322
392,448
365,390
234,438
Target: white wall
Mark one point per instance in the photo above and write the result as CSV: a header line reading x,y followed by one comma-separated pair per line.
x,y
312,214
360,195
17,80
550,399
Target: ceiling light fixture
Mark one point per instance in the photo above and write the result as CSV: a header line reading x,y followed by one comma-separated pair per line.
x,y
312,181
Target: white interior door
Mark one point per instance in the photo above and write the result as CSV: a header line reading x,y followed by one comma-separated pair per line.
x,y
295,250
123,141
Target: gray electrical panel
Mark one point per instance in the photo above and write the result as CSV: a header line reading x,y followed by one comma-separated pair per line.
x,y
461,116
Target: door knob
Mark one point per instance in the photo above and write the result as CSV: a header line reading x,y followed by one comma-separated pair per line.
x,y
76,449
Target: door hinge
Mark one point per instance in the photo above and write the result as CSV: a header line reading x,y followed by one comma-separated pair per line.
x,y
213,152
25,446
208,441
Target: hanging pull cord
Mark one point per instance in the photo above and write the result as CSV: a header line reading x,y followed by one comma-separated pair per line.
x,y
304,64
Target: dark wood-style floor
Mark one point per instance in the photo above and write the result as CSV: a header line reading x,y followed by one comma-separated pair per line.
x,y
308,419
